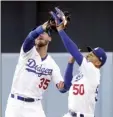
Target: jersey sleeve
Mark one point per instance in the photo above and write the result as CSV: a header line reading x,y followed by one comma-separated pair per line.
x,y
29,42
26,54
56,75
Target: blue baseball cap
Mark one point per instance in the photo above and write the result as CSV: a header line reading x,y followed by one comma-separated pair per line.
x,y
100,53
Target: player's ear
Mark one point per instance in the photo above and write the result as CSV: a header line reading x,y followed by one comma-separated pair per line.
x,y
98,63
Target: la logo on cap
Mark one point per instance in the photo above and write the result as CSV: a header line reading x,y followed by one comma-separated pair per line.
x,y
100,58
96,48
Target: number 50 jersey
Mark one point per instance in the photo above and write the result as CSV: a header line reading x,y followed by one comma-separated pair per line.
x,y
83,89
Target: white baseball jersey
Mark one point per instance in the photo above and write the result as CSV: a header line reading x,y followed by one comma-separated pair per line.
x,y
32,75
83,90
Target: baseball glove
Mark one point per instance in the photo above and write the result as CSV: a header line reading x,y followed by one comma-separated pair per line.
x,y
51,27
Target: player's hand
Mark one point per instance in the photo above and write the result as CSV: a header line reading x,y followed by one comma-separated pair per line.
x,y
59,18
60,85
71,59
44,26
47,27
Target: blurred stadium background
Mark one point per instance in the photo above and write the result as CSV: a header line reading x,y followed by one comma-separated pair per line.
x,y
91,24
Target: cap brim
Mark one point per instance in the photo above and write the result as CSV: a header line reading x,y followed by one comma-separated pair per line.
x,y
89,49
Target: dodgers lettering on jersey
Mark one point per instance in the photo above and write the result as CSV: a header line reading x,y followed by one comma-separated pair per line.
x,y
32,75
37,69
83,90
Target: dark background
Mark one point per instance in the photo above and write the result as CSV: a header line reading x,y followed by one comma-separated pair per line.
x,y
91,23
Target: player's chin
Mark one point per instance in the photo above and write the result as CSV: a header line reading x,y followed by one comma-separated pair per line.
x,y
41,44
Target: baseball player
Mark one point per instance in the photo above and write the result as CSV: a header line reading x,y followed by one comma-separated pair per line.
x,y
84,85
34,71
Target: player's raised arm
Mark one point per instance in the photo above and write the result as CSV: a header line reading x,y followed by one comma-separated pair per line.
x,y
29,40
71,46
68,43
63,85
68,75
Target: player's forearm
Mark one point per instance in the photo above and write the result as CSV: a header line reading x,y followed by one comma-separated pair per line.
x,y
67,78
68,75
29,41
71,47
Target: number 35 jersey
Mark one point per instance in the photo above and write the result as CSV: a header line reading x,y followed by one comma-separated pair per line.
x,y
33,75
83,89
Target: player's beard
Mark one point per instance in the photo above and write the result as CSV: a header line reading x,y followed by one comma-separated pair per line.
x,y
42,43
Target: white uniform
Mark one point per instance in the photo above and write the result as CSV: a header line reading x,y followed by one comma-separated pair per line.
x,y
31,79
82,93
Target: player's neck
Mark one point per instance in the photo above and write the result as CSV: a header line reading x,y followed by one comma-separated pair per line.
x,y
42,51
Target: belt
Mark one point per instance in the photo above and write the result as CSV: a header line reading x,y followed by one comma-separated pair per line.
x,y
24,99
74,114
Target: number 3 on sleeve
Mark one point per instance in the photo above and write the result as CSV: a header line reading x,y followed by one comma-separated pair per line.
x,y
96,92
